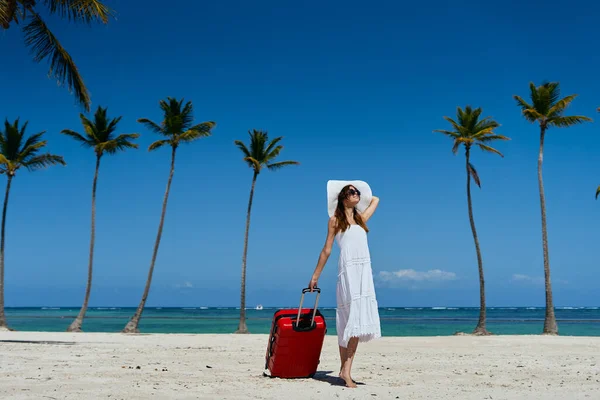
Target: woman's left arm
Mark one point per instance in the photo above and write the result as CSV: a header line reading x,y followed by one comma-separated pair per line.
x,y
370,209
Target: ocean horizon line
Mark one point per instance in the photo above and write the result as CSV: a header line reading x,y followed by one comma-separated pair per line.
x,y
269,307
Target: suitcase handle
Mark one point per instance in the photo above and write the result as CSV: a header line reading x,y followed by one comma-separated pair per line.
x,y
316,289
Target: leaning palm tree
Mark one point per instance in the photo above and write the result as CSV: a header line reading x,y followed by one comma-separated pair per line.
x,y
99,135
547,110
42,42
469,130
177,129
261,154
16,152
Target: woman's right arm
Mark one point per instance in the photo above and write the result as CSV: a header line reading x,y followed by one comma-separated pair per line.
x,y
331,225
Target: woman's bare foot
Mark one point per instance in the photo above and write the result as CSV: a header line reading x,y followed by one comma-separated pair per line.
x,y
340,375
349,381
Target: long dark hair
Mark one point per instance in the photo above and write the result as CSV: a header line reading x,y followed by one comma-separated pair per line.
x,y
340,214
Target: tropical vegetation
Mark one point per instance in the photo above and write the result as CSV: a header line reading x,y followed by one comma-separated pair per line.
x,y
547,108
18,151
177,128
100,136
44,44
470,130
261,153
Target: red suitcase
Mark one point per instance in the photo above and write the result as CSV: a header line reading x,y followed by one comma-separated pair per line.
x,y
295,341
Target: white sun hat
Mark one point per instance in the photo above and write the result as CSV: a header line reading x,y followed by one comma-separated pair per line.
x,y
334,187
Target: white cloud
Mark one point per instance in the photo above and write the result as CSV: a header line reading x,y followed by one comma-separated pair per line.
x,y
185,285
411,275
534,280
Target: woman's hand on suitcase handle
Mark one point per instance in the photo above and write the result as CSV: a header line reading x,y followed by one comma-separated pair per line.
x,y
313,283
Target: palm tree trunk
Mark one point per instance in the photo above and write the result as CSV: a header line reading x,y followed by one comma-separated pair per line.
x,y
3,323
550,327
76,325
132,325
242,328
480,329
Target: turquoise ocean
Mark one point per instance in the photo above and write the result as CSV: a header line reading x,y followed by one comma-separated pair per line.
x,y
395,321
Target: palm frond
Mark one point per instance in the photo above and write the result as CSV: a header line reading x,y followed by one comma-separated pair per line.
x,y
272,145
474,174
490,138
458,141
80,10
564,122
197,131
33,139
112,125
261,152
243,148
43,161
281,164
119,143
551,91
597,190
3,160
485,125
447,133
472,129
30,151
159,143
528,110
127,136
44,45
253,163
477,133
561,105
258,140
456,145
490,149
78,137
90,128
9,12
153,126
459,129
273,154
522,103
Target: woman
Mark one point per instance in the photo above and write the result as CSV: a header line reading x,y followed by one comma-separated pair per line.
x,y
357,317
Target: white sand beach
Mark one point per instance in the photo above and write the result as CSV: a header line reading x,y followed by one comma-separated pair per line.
x,y
43,365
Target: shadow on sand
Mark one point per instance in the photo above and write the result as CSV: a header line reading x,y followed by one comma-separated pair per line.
x,y
332,378
37,342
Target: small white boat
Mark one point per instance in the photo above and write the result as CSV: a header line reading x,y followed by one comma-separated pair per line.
x,y
259,307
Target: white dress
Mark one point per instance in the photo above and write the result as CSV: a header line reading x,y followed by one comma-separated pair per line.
x,y
356,314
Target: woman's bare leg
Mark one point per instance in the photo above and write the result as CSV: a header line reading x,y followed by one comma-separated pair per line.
x,y
343,357
345,374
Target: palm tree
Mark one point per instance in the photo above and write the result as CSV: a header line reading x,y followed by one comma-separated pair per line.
x,y
469,131
18,152
42,42
261,154
176,129
99,135
547,109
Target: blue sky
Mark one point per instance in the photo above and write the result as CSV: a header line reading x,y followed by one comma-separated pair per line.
x,y
356,91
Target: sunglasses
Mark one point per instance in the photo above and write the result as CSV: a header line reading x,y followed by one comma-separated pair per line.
x,y
353,192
